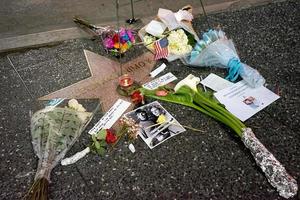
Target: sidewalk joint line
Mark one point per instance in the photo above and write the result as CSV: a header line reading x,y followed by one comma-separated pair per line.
x,y
11,63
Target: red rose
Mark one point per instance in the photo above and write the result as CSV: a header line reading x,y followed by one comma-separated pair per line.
x,y
136,97
110,137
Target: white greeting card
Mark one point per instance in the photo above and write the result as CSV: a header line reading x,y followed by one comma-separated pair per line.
x,y
244,101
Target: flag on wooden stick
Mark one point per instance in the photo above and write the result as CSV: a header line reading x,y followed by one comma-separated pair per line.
x,y
161,48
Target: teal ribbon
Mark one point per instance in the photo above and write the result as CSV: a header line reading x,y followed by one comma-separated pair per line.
x,y
234,66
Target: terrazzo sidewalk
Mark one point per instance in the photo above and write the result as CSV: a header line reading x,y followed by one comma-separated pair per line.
x,y
210,165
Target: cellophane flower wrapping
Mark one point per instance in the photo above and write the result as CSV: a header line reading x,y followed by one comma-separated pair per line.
x,y
216,50
55,126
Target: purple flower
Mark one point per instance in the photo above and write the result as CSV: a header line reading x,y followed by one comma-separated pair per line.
x,y
123,35
130,35
123,32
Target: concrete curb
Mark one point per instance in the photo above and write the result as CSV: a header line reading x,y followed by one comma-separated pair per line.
x,y
50,37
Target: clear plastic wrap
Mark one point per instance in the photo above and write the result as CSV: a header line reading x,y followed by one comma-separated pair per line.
x,y
275,172
55,126
216,50
115,41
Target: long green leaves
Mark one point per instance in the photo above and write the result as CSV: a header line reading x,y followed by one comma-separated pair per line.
x,y
202,102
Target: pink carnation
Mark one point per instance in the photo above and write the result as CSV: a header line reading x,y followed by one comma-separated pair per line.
x,y
108,43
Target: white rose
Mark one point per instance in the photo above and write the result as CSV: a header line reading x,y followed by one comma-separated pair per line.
x,y
73,103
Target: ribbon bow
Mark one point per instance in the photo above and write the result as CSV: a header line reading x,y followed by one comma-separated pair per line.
x,y
234,66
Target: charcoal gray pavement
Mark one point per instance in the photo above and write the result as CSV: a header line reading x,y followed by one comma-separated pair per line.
x,y
210,165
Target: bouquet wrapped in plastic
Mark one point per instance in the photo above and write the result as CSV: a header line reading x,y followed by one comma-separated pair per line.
x,y
170,35
54,130
118,41
214,49
115,41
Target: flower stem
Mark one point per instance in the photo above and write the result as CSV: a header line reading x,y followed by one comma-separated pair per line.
x,y
200,99
223,119
172,123
123,132
39,190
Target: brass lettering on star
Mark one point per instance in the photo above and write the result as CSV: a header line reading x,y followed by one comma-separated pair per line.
x,y
138,65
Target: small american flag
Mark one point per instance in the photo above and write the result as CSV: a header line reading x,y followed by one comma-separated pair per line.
x,y
161,48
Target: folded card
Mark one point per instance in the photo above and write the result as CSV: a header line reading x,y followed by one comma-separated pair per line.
x,y
215,82
155,28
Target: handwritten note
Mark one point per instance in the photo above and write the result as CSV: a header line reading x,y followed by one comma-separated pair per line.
x,y
112,115
163,80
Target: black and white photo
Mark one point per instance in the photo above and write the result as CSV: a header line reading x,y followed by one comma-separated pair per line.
x,y
156,124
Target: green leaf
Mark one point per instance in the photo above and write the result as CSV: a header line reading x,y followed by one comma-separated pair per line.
x,y
101,135
191,39
94,138
101,151
93,149
97,145
103,143
209,95
122,92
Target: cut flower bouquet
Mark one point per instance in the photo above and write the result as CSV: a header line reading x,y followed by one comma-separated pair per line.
x,y
115,41
215,49
118,41
179,42
171,35
54,129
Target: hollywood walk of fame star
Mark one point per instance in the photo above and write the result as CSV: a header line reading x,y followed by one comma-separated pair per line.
x,y
104,79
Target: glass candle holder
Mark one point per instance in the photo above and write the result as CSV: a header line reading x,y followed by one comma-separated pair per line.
x,y
125,81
